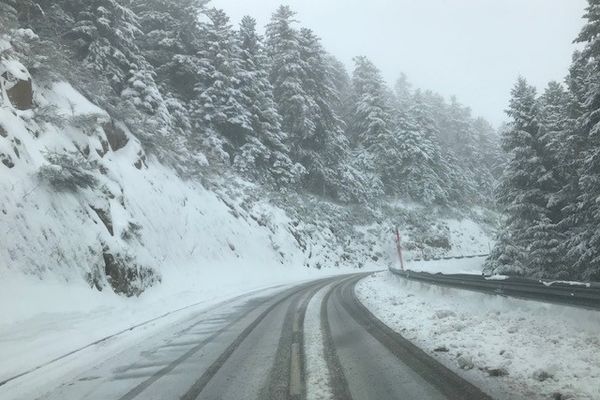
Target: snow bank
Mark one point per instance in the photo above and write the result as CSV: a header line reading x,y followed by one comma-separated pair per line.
x,y
472,266
545,349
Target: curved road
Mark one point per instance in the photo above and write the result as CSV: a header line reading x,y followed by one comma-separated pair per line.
x,y
254,349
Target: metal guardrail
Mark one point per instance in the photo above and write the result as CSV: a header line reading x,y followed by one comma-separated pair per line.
x,y
585,295
449,258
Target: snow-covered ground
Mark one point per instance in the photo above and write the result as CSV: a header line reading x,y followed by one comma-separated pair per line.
x,y
455,266
547,351
35,332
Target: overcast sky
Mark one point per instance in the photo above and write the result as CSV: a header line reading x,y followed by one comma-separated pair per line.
x,y
474,49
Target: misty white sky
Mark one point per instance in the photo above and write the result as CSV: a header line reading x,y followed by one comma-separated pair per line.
x,y
474,49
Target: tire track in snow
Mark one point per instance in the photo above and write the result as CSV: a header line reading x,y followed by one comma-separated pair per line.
x,y
452,386
131,328
214,368
337,379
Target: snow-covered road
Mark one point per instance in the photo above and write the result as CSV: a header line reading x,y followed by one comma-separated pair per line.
x,y
336,338
311,340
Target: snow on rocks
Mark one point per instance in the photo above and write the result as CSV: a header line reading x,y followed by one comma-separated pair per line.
x,y
16,84
465,362
511,348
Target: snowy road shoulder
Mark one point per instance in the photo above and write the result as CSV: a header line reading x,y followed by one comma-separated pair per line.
x,y
513,349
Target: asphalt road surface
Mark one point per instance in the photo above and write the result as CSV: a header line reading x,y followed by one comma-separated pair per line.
x,y
254,348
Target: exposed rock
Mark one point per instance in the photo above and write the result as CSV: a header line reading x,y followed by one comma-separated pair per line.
x,y
501,371
441,349
7,160
513,329
133,231
104,216
115,135
441,314
105,147
127,277
141,161
102,152
465,362
563,396
541,375
21,92
441,242
3,132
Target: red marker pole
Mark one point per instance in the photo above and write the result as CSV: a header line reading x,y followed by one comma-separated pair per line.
x,y
399,248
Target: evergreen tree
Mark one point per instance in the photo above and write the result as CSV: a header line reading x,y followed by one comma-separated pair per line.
x,y
305,92
323,152
403,93
546,256
287,73
266,150
8,15
524,188
427,176
218,102
371,126
586,249
171,41
343,87
104,34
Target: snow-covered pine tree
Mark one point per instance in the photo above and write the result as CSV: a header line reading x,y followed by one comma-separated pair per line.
x,y
342,83
546,252
322,153
524,187
218,104
357,179
170,41
426,175
287,76
586,248
371,125
104,34
489,155
403,93
8,15
266,152
306,95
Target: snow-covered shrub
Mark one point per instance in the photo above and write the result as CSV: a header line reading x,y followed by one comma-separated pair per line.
x,y
68,172
49,115
133,231
126,276
88,123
